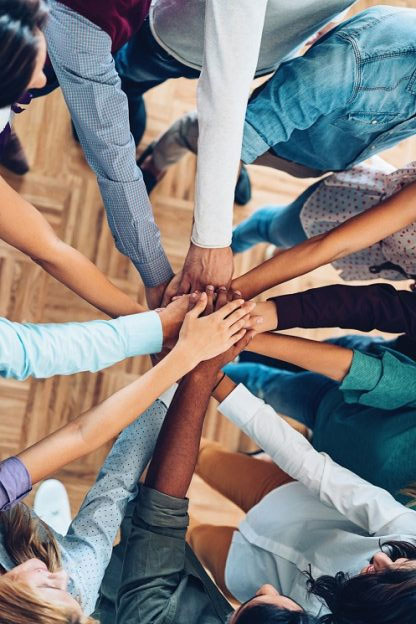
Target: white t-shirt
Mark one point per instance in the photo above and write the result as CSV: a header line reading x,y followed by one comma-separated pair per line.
x,y
330,519
230,42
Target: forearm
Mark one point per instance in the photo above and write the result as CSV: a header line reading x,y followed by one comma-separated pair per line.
x,y
89,76
288,264
327,359
44,350
177,448
377,306
103,422
74,270
223,91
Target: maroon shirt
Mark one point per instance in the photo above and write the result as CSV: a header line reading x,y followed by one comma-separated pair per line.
x,y
119,18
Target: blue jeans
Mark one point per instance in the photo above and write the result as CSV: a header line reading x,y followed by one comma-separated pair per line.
x,y
297,394
279,225
143,64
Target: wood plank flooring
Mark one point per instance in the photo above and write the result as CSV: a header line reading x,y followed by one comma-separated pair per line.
x,y
63,188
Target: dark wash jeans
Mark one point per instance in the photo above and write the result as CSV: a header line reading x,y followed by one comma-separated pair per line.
x,y
143,64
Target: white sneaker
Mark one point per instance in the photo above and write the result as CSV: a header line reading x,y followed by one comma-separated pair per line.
x,y
52,505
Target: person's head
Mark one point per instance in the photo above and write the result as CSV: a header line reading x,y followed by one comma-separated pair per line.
x,y
35,591
22,48
383,593
270,607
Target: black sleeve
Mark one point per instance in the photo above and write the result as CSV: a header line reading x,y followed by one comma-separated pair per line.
x,y
378,306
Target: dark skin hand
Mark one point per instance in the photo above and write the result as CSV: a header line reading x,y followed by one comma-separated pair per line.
x,y
177,448
202,266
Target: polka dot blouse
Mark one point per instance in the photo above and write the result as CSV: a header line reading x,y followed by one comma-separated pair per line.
x,y
346,194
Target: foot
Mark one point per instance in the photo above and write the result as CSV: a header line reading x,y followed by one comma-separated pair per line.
x,y
13,156
151,174
52,505
242,193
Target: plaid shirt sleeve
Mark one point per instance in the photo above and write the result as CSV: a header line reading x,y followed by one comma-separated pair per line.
x,y
80,53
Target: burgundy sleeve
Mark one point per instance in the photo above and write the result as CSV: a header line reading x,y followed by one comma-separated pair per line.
x,y
378,306
15,482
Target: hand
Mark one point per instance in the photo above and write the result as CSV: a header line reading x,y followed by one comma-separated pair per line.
x,y
173,316
203,266
171,289
207,337
154,295
210,368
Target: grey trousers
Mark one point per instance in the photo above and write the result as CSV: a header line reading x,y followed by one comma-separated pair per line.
x,y
182,137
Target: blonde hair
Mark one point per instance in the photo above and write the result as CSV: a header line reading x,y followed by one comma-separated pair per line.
x,y
27,537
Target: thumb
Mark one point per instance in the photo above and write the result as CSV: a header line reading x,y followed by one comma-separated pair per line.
x,y
199,307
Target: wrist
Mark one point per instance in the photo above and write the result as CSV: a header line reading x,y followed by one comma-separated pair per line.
x,y
186,360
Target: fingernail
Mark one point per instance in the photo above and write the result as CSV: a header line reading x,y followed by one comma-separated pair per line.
x,y
260,320
210,287
222,288
237,292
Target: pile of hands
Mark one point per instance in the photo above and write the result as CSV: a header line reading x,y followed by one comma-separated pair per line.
x,y
210,327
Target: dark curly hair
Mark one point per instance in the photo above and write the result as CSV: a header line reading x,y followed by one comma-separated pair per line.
x,y
270,614
19,22
387,597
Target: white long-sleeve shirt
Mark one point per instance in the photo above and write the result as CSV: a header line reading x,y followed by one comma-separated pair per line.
x,y
230,42
329,518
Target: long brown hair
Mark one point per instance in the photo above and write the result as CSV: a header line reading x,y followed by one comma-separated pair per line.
x,y
26,537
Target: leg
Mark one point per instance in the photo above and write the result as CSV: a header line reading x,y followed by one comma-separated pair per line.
x,y
279,225
201,538
242,479
294,394
180,138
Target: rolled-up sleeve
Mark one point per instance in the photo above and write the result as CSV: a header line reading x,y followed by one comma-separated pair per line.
x,y
155,558
386,382
15,482
81,56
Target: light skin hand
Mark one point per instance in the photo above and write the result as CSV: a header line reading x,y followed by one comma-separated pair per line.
x,y
173,316
213,334
202,266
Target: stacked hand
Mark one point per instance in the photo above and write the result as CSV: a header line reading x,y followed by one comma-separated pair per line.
x,y
202,266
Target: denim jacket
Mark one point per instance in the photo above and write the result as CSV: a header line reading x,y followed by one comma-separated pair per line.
x,y
352,95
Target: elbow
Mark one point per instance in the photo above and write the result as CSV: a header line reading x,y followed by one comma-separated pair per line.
x,y
50,256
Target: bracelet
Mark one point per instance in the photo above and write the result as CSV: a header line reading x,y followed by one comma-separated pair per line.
x,y
218,383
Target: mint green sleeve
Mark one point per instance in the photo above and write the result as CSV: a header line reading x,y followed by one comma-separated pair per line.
x,y
44,350
386,382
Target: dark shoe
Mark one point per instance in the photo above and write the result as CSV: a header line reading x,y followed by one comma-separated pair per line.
x,y
13,156
242,193
149,179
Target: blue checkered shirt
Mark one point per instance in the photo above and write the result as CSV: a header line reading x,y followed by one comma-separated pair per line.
x,y
81,56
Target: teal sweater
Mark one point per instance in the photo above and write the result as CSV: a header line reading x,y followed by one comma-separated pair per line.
x,y
368,423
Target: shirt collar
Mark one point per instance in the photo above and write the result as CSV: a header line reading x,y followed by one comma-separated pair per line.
x,y
4,117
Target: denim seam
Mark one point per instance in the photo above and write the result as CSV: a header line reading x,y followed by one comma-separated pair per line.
x,y
357,70
257,132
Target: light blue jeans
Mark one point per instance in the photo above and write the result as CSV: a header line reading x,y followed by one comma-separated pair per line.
x,y
279,225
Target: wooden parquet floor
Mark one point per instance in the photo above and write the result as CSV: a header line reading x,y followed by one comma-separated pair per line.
x,y
63,188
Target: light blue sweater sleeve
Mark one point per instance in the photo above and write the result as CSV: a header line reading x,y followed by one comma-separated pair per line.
x,y
44,350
